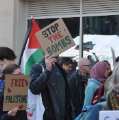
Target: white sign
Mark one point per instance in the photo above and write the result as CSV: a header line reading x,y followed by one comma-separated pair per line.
x,y
109,115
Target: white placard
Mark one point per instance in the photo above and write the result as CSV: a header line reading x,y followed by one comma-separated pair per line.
x,y
109,115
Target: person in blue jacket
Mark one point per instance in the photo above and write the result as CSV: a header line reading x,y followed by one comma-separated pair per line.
x,y
95,88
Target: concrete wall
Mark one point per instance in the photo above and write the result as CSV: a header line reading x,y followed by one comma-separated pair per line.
x,y
20,25
12,24
6,23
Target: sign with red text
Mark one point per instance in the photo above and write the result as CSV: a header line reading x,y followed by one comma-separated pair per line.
x,y
15,92
55,38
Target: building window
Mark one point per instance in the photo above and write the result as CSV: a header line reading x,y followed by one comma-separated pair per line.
x,y
103,31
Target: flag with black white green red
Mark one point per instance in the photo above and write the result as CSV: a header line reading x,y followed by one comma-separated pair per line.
x,y
32,52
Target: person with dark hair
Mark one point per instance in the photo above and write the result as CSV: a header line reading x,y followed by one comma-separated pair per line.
x,y
7,56
74,66
12,68
7,53
49,79
66,63
7,66
13,114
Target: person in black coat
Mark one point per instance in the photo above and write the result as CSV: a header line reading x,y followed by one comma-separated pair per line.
x,y
49,79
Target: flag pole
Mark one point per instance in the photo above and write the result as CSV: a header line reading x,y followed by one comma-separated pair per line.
x,y
25,40
81,32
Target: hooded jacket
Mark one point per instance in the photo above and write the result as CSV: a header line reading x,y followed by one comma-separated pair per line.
x,y
53,87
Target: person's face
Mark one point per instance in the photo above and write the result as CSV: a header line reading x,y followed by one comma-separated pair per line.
x,y
108,72
67,67
85,68
7,62
17,71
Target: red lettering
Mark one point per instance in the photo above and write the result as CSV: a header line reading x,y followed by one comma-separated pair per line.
x,y
26,82
19,83
54,37
13,82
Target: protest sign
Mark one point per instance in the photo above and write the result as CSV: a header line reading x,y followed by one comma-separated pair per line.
x,y
55,38
15,92
109,115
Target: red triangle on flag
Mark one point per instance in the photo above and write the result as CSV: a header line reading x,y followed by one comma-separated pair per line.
x,y
33,41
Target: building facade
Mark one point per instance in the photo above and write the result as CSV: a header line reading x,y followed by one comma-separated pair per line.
x,y
91,17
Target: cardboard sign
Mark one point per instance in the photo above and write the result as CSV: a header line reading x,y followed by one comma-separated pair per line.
x,y
55,38
109,115
15,92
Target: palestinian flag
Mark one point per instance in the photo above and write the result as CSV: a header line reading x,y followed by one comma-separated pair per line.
x,y
32,52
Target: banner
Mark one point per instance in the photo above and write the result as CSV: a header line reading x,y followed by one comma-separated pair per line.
x,y
15,92
55,38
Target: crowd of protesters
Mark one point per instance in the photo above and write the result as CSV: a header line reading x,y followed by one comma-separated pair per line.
x,y
67,93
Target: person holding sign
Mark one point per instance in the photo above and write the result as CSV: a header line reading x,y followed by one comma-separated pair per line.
x,y
13,114
7,56
10,115
49,79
